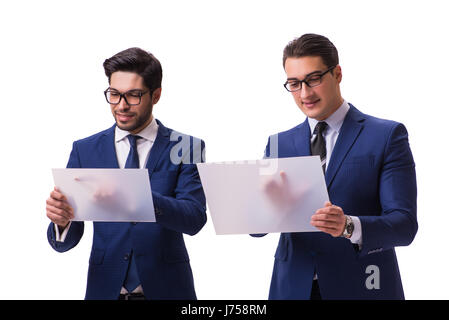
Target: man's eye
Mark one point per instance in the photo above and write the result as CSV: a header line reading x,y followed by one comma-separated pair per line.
x,y
113,94
313,79
293,84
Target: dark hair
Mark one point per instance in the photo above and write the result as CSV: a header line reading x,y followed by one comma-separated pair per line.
x,y
310,44
139,61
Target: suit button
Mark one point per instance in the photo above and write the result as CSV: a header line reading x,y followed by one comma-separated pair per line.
x,y
126,257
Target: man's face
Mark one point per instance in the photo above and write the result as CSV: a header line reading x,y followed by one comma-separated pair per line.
x,y
317,102
132,118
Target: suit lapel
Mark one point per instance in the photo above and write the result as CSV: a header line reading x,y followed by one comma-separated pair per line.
x,y
350,130
161,142
107,150
302,139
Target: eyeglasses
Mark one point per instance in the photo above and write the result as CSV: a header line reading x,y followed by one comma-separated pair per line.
x,y
311,81
132,97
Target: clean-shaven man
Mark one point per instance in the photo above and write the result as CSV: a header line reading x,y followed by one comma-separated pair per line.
x,y
370,177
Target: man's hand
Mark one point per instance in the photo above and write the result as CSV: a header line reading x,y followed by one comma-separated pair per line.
x,y
280,193
58,209
330,219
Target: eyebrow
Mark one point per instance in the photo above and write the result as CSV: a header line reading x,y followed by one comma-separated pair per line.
x,y
307,75
111,88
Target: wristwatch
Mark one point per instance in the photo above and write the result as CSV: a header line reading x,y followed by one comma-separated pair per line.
x,y
349,228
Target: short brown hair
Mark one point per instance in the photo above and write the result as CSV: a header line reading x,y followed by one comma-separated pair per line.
x,y
310,44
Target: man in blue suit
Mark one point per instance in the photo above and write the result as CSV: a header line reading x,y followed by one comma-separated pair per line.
x,y
370,176
137,260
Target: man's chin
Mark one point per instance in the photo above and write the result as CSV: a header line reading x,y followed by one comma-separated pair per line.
x,y
126,126
134,125
313,114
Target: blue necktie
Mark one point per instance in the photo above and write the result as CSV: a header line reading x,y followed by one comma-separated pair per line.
x,y
133,157
132,278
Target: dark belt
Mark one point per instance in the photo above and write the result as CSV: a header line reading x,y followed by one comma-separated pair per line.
x,y
131,296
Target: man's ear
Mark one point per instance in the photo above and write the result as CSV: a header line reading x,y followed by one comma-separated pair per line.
x,y
156,95
338,73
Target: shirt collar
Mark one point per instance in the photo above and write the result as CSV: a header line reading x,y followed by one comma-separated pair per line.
x,y
334,121
147,133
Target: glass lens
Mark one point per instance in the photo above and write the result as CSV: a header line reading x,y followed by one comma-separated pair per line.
x,y
133,98
293,85
314,81
112,97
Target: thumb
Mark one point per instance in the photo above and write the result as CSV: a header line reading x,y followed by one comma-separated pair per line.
x,y
327,204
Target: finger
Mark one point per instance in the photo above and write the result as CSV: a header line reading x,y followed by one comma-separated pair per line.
x,y
57,203
331,225
326,217
60,204
330,210
327,206
284,178
57,219
57,191
58,195
327,230
332,232
326,224
59,212
334,210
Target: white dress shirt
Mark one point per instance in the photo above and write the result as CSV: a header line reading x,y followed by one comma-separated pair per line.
x,y
144,145
148,135
334,123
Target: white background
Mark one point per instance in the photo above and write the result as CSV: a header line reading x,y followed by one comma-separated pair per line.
x,y
223,76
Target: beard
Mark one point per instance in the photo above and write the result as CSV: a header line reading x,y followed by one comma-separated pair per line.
x,y
137,122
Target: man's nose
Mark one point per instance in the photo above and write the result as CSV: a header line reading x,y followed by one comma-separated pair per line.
x,y
122,105
305,91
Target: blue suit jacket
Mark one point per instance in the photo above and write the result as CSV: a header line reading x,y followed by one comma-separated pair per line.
x,y
371,175
159,249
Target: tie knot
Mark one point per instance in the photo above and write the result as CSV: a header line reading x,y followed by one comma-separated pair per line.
x,y
320,127
133,140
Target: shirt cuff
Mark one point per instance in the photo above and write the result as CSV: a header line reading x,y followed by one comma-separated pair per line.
x,y
61,237
356,237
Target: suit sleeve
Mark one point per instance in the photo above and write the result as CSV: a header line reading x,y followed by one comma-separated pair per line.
x,y
186,211
397,225
76,230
